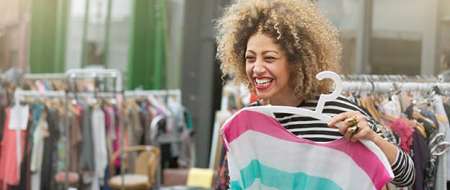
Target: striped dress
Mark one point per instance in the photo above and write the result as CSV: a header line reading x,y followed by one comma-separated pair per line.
x,y
262,154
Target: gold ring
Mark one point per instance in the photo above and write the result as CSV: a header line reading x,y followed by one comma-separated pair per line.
x,y
353,125
353,129
353,121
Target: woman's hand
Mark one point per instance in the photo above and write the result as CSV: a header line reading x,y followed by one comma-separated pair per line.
x,y
353,126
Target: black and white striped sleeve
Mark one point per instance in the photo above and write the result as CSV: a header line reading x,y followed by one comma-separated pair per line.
x,y
403,170
403,167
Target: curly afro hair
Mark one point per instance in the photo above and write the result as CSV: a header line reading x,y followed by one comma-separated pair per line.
x,y
308,39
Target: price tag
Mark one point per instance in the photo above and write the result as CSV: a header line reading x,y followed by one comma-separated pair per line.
x,y
19,117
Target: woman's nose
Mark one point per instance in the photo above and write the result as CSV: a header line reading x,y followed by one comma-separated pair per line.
x,y
259,67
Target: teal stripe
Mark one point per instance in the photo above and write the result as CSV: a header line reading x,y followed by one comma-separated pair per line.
x,y
279,179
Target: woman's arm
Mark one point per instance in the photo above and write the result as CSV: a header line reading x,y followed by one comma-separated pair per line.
x,y
401,163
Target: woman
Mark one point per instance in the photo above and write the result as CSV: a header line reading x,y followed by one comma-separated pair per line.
x,y
276,47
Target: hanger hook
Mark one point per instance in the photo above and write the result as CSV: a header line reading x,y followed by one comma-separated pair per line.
x,y
372,84
336,92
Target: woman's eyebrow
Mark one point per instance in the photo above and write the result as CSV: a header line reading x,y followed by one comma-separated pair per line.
x,y
250,51
271,51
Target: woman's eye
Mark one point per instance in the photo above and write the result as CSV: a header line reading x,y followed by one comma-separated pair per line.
x,y
270,59
249,58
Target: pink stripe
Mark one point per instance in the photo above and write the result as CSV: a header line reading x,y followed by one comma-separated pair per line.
x,y
250,120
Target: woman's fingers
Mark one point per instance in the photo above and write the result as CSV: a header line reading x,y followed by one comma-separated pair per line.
x,y
340,117
352,125
361,134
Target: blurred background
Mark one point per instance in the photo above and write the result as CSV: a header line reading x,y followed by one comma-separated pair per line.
x,y
170,44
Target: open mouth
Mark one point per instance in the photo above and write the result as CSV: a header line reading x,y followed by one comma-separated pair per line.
x,y
263,83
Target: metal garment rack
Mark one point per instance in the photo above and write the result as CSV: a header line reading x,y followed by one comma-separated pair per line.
x,y
45,76
389,83
19,95
392,86
70,76
136,93
80,74
74,74
390,78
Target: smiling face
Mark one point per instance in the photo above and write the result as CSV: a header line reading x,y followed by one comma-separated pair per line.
x,y
267,70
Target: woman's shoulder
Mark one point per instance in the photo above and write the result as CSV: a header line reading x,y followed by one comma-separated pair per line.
x,y
343,104
353,105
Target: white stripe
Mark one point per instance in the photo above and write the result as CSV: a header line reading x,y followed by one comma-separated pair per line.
x,y
303,122
318,129
316,161
290,117
257,186
270,110
330,114
294,116
308,107
339,108
321,136
330,107
233,170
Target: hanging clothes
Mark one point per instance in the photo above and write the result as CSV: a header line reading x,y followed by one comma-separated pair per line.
x,y
87,145
81,139
39,134
75,139
422,132
109,123
442,171
420,155
404,130
48,169
9,167
100,148
134,126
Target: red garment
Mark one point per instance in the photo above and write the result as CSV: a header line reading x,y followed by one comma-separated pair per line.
x,y
9,165
404,130
253,98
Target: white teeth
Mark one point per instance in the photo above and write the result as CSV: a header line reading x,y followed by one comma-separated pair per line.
x,y
262,81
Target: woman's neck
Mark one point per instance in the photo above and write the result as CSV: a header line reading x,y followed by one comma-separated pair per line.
x,y
287,101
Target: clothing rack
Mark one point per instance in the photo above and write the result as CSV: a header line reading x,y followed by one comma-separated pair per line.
x,y
398,78
97,73
424,89
94,73
136,93
389,83
392,86
20,94
80,74
43,76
